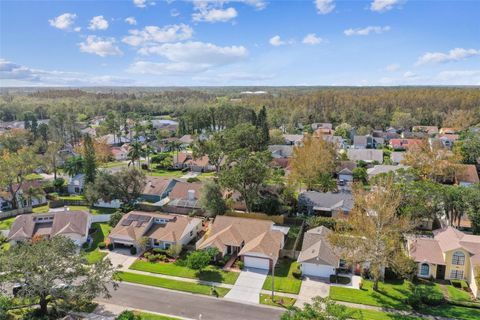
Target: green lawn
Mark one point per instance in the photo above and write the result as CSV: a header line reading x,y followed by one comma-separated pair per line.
x,y
456,294
211,273
114,164
279,301
169,284
93,210
92,254
165,173
33,176
393,295
75,197
6,224
364,314
41,209
284,280
151,316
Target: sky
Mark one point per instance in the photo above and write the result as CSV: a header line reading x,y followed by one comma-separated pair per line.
x,y
242,42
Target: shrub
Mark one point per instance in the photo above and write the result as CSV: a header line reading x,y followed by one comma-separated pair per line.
x,y
147,254
127,315
339,279
102,245
110,246
240,264
158,250
133,250
85,245
297,273
193,179
115,218
213,292
152,258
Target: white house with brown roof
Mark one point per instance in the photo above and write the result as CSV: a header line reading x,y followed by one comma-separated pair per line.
x,y
450,254
318,258
257,242
162,230
71,224
185,159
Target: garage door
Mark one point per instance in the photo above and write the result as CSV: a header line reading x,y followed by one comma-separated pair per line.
x,y
259,263
317,270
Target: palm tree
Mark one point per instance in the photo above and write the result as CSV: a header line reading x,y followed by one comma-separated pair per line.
x,y
135,153
147,151
174,146
73,166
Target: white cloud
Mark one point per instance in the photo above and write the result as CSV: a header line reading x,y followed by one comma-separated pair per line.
x,y
188,58
392,67
452,55
100,46
366,31
215,15
131,21
312,39
384,5
465,77
410,75
63,21
13,74
324,6
276,41
151,35
174,13
77,29
143,3
258,4
98,23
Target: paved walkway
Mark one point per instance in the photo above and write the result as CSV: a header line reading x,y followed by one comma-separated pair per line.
x,y
248,286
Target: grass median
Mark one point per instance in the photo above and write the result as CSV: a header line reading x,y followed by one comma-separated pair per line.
x,y
169,284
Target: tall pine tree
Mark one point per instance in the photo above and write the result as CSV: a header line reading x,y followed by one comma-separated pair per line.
x,y
262,125
90,165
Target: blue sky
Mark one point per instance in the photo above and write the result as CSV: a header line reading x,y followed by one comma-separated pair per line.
x,y
243,42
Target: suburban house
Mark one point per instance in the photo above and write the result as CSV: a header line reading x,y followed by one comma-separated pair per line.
x,y
447,131
173,195
430,130
184,159
165,124
113,140
450,254
76,183
330,204
30,194
345,170
71,224
466,175
256,242
186,140
323,132
404,144
120,153
281,151
384,169
397,157
318,257
161,230
293,139
338,141
321,125
367,155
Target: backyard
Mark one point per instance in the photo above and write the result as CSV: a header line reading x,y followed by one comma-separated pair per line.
x,y
284,279
394,295
210,273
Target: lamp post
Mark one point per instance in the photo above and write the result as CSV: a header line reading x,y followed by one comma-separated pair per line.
x,y
273,277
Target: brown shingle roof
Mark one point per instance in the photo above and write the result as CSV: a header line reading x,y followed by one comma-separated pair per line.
x,y
317,249
467,173
156,185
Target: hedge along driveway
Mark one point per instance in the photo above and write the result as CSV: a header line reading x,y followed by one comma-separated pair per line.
x,y
210,273
169,283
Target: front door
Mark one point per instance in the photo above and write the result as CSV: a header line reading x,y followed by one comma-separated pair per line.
x,y
440,272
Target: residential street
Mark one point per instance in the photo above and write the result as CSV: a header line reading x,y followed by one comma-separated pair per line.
x,y
187,305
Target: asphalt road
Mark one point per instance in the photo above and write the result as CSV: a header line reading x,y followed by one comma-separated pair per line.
x,y
187,305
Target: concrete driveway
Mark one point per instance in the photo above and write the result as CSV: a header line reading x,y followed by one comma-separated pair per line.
x,y
248,286
312,287
121,257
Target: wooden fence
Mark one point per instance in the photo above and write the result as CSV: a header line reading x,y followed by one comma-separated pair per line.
x,y
260,216
14,213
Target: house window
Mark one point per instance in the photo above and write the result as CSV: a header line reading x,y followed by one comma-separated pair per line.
x,y
425,270
458,258
456,274
156,243
166,246
191,233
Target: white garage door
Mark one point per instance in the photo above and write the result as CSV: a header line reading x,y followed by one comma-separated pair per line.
x,y
259,263
317,270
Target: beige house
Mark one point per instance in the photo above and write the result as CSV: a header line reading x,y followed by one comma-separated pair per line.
x,y
450,254
257,242
71,224
161,230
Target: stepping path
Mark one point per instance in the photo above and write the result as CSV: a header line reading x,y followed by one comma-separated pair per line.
x,y
248,286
